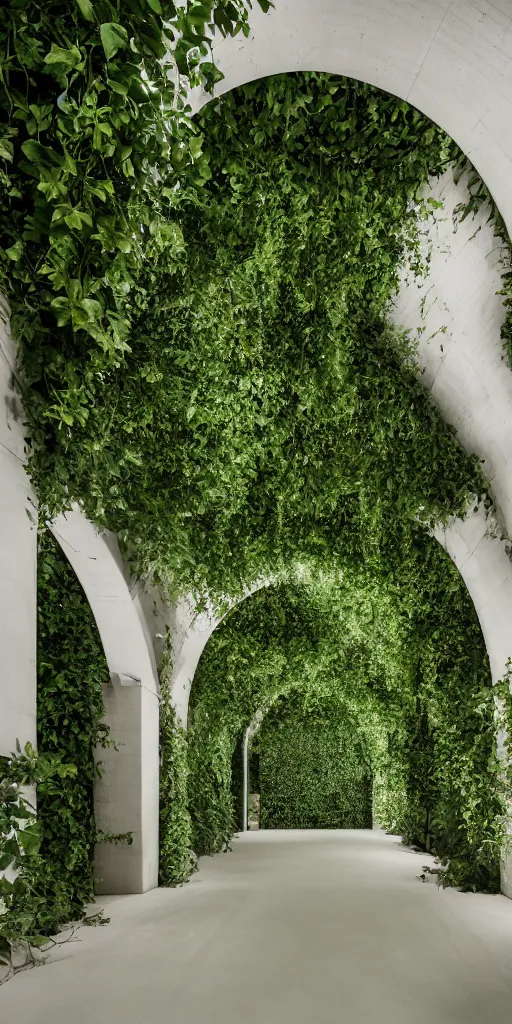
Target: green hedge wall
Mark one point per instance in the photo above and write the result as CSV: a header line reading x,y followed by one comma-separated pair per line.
x,y
313,772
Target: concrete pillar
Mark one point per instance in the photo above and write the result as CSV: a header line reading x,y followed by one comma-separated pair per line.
x,y
18,566
126,797
483,561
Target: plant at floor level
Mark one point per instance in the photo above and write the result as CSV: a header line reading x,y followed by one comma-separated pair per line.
x,y
313,770
26,886
177,858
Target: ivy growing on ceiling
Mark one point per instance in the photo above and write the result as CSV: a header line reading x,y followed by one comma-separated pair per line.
x,y
402,658
264,405
207,367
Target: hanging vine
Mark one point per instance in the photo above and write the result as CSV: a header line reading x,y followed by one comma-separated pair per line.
x,y
261,410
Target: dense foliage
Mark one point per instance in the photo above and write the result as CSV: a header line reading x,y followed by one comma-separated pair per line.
x,y
404,657
207,368
94,140
263,405
71,670
177,859
313,770
28,889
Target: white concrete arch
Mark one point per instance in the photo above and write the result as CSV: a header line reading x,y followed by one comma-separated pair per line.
x,y
126,796
452,59
483,560
474,545
189,630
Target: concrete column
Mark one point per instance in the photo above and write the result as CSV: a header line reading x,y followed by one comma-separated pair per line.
x,y
18,562
483,561
127,795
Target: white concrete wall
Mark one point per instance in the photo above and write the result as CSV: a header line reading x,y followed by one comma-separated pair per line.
x,y
486,569
18,559
483,561
452,59
456,313
126,797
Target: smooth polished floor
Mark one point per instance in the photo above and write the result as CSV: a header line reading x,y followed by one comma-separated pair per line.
x,y
305,927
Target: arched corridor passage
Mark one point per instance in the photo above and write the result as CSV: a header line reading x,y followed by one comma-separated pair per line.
x,y
241,436
292,926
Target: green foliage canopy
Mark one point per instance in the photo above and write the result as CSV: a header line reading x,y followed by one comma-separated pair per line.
x,y
405,659
264,405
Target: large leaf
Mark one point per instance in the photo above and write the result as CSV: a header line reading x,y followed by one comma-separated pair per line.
x,y
68,58
39,154
114,37
86,9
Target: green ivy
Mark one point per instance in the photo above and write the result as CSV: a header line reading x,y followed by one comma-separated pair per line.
x,y
403,655
313,768
177,859
94,141
71,670
264,405
31,897
207,366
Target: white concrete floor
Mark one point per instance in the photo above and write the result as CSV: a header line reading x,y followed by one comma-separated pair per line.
x,y
303,927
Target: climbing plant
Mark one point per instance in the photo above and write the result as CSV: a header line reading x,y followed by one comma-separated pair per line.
x,y
405,657
177,859
207,367
71,669
94,142
264,405
313,768
28,888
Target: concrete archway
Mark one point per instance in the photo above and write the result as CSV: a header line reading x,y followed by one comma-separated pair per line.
x,y
452,60
449,58
126,796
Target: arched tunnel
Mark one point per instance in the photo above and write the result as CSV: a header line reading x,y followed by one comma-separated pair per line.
x,y
256,601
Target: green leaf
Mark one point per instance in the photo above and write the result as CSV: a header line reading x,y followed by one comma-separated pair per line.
x,y
67,58
6,149
15,251
39,154
118,87
195,146
86,9
114,37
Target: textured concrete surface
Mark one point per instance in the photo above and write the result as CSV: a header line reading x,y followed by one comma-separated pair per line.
x,y
18,548
292,926
126,796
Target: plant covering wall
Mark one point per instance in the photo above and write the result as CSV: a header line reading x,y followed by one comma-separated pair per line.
x,y
207,367
71,670
53,854
403,658
313,768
